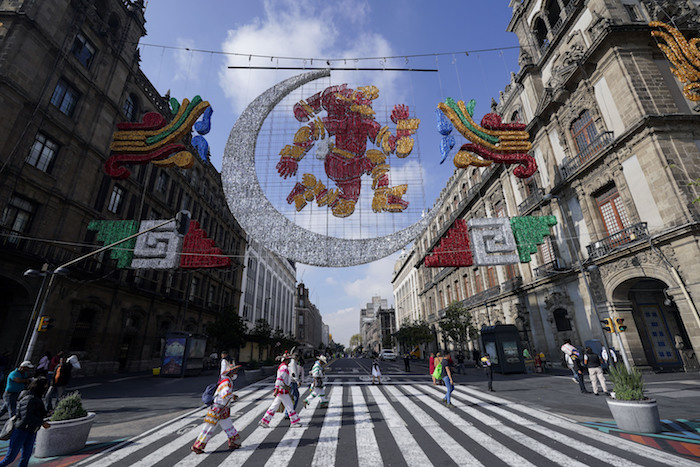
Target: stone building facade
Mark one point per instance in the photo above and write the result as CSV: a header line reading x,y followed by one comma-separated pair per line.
x,y
309,324
617,144
69,72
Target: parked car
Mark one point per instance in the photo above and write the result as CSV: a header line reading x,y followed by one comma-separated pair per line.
x,y
387,355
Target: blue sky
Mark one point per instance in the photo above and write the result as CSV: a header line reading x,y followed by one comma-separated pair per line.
x,y
341,31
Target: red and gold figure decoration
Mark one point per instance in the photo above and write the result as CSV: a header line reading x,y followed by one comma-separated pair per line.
x,y
152,140
492,141
350,120
683,54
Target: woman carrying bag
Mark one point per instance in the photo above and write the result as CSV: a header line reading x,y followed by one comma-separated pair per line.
x,y
30,417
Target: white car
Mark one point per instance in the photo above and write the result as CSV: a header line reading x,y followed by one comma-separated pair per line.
x,y
387,355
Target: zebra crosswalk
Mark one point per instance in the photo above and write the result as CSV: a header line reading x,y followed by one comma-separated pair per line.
x,y
395,424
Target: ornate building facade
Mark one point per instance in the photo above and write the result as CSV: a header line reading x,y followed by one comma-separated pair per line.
x,y
309,326
69,72
617,143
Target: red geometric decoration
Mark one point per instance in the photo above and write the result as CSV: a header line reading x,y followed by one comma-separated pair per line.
x,y
454,250
199,251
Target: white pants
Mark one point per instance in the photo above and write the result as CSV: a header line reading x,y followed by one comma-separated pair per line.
x,y
596,375
282,398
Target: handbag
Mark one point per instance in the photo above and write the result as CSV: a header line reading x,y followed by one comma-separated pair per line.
x,y
8,428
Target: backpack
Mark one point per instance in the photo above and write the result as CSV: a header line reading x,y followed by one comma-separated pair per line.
x,y
209,391
437,374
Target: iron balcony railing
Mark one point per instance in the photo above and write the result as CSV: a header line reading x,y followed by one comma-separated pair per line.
x,y
623,237
512,284
548,269
482,297
531,201
571,164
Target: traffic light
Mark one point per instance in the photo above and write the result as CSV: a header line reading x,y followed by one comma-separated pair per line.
x,y
608,325
619,325
45,323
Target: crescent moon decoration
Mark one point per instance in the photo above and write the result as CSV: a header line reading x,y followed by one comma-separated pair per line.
x,y
264,223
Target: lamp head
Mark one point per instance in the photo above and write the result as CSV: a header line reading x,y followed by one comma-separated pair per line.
x,y
32,273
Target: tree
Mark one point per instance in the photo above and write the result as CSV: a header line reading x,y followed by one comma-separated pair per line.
x,y
262,334
456,325
356,341
412,334
228,331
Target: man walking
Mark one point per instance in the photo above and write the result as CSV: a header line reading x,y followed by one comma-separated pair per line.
x,y
296,376
281,393
488,370
569,350
595,372
407,362
317,389
16,382
219,413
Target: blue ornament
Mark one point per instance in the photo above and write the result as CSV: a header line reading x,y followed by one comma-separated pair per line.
x,y
204,125
446,145
444,125
201,146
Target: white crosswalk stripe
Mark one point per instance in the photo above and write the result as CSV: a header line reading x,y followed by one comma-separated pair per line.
x,y
411,415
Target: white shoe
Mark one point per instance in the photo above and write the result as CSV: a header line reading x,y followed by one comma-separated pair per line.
x,y
574,380
263,424
296,425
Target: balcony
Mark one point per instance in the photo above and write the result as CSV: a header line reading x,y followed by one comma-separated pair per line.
x,y
572,164
548,269
482,297
531,201
512,284
619,239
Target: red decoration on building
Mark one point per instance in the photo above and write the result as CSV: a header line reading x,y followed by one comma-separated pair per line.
x,y
199,251
454,250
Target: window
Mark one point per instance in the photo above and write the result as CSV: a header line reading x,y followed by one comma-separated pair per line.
x,y
162,184
612,211
42,153
478,283
584,131
129,108
65,97
18,215
633,12
467,288
561,320
492,277
82,330
186,199
83,50
540,31
115,201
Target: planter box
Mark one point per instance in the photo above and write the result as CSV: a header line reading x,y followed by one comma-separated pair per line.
x,y
63,437
636,416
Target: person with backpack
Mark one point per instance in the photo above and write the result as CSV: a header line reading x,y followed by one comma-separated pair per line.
x,y
447,365
61,378
16,382
30,417
281,393
219,412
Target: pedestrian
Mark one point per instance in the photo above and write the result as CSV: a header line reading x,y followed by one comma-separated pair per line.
x,y
376,371
61,378
407,362
317,389
568,349
579,368
447,366
30,417
220,412
42,369
55,360
488,370
528,360
460,362
595,372
16,382
476,356
281,393
431,365
225,360
296,376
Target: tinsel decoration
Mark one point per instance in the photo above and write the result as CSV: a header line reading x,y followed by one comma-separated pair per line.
x,y
199,251
684,55
109,232
529,231
453,250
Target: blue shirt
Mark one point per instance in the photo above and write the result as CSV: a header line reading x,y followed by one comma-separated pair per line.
x,y
14,386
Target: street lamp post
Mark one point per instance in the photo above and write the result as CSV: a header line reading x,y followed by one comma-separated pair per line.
x,y
182,222
580,264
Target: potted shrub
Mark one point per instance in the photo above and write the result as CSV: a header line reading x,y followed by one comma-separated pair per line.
x,y
630,408
70,427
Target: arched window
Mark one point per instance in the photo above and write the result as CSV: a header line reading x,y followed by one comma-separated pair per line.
x,y
515,117
553,12
540,31
83,329
561,319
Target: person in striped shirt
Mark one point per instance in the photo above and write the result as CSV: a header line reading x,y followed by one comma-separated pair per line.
x,y
317,384
281,393
220,413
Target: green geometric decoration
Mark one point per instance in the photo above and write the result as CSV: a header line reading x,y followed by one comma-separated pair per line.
x,y
529,232
109,232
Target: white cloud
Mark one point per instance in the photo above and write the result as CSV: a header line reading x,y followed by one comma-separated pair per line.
x,y
343,324
188,63
376,282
